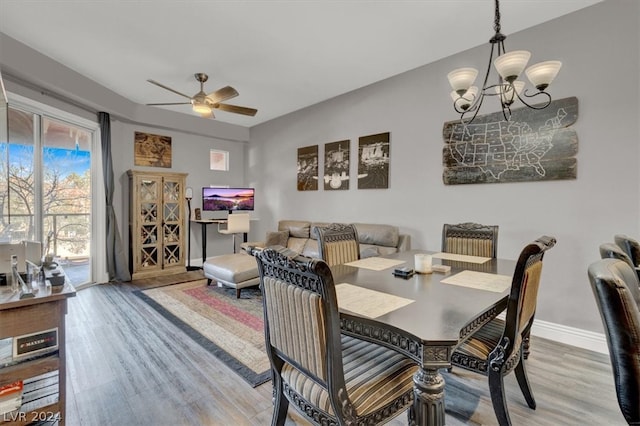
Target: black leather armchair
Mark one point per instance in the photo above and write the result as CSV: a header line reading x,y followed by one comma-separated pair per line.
x,y
631,247
615,287
613,251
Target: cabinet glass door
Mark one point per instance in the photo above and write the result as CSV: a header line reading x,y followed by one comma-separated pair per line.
x,y
172,221
149,190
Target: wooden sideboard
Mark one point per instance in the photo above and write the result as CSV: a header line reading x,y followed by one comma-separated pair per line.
x,y
23,317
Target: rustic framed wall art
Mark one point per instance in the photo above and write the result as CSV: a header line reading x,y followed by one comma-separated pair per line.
x,y
152,150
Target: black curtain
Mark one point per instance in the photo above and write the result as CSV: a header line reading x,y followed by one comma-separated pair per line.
x,y
116,259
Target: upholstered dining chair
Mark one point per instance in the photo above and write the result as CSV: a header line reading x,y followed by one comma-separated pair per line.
x,y
237,223
499,347
631,247
328,377
613,251
470,238
615,287
338,243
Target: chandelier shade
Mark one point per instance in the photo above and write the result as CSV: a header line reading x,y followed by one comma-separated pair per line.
x,y
461,79
467,99
541,75
507,96
510,65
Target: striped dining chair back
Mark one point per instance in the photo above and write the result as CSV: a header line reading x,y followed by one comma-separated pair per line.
x,y
315,367
338,243
471,239
501,346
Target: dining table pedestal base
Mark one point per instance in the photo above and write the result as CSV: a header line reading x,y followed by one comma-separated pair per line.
x,y
428,405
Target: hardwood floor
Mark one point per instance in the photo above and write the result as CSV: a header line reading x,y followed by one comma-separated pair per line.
x,y
128,365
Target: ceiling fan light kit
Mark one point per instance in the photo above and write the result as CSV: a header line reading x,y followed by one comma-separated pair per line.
x,y
203,104
468,98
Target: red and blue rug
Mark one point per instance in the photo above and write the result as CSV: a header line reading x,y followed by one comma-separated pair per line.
x,y
232,329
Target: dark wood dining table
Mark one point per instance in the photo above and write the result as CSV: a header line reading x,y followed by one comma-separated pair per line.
x,y
430,328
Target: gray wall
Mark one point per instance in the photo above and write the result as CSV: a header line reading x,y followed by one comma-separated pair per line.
x,y
599,48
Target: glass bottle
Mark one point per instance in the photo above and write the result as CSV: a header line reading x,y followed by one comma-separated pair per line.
x,y
15,279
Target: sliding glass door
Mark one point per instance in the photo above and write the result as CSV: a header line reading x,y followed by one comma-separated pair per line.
x,y
45,188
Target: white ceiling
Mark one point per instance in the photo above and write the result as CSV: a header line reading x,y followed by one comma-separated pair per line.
x,y
280,56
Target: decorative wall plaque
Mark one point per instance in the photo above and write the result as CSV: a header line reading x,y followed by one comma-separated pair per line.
x,y
534,145
373,161
308,168
336,165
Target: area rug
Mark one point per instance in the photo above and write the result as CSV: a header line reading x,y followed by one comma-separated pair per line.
x,y
162,280
232,329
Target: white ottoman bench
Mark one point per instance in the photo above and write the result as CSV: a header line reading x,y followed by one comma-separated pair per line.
x,y
238,270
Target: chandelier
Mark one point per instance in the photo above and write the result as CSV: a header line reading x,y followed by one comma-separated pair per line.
x,y
467,99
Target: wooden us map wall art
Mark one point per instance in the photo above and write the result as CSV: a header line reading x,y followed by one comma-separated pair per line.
x,y
534,145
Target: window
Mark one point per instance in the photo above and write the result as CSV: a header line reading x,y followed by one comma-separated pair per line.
x,y
46,184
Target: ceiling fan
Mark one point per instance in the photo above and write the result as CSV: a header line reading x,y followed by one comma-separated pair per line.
x,y
204,104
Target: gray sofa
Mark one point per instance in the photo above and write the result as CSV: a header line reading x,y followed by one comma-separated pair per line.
x,y
240,270
298,235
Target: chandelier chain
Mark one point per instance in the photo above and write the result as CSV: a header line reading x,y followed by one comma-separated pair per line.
x,y
496,19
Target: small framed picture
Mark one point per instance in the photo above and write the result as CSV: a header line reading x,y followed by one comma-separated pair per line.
x,y
219,160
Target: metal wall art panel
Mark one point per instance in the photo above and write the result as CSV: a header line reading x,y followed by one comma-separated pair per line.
x,y
533,145
336,165
373,161
308,168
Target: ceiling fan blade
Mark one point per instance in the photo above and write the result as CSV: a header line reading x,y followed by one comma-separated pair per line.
x,y
237,109
223,94
171,103
168,88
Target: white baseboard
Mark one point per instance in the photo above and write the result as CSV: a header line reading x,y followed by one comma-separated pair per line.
x,y
584,339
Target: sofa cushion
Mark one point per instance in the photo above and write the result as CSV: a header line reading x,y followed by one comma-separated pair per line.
x,y
297,244
277,238
296,228
367,250
311,249
380,235
384,251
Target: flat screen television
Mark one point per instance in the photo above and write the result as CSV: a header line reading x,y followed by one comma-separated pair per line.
x,y
227,199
